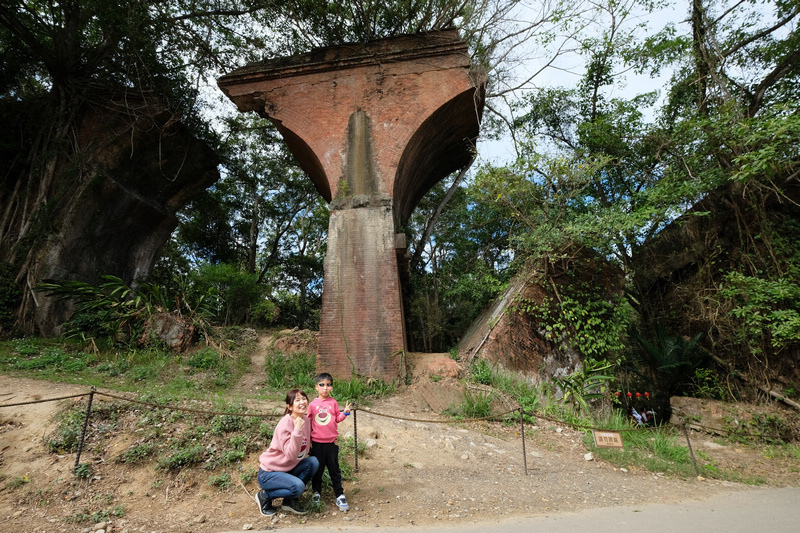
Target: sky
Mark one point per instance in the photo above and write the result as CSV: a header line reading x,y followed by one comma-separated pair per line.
x,y
567,70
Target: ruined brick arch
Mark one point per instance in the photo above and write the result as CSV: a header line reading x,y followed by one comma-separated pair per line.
x,y
434,152
307,160
386,120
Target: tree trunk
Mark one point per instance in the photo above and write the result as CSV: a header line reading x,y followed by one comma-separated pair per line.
x,y
98,196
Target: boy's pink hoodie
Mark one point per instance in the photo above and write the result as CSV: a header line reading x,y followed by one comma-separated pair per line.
x,y
325,417
288,446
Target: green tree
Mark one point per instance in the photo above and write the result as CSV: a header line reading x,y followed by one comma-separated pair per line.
x,y
696,205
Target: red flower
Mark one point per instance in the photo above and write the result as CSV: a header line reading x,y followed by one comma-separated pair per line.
x,y
647,395
617,393
638,395
630,395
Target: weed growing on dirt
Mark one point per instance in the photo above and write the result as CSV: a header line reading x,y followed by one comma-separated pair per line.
x,y
83,471
765,428
475,405
97,516
137,453
67,434
482,371
248,474
17,482
222,481
182,457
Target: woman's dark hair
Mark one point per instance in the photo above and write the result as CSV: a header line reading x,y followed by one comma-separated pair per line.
x,y
291,396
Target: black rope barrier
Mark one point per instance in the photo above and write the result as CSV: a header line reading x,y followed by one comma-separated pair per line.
x,y
43,401
520,410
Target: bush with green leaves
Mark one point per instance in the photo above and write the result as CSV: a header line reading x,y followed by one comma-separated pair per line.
x,y
767,310
114,309
239,291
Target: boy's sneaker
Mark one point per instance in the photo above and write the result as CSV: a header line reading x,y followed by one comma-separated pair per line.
x,y
293,506
264,503
315,497
341,503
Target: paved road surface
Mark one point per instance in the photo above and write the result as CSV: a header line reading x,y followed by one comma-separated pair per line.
x,y
745,511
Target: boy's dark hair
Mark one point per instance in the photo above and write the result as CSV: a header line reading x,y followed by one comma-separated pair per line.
x,y
323,376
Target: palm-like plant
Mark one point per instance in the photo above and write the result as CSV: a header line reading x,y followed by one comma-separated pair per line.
x,y
667,362
122,311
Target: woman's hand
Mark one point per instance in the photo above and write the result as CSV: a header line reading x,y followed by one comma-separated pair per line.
x,y
299,422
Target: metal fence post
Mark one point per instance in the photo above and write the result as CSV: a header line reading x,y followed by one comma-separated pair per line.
x,y
355,435
691,452
522,431
83,430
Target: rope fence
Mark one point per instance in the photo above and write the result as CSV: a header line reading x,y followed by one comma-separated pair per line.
x,y
496,417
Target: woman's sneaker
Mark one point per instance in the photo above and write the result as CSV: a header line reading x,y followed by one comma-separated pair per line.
x,y
315,497
341,503
264,503
293,506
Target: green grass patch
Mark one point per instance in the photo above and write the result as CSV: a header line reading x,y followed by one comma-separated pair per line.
x,y
654,450
144,370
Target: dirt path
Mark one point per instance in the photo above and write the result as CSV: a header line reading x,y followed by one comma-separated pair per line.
x,y
414,474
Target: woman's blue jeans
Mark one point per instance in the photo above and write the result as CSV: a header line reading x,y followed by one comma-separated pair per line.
x,y
291,484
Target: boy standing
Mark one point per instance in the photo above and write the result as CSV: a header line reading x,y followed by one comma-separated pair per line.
x,y
325,417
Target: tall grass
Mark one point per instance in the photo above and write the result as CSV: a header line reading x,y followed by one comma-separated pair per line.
x,y
290,371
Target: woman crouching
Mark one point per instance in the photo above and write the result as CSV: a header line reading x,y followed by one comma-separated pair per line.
x,y
286,467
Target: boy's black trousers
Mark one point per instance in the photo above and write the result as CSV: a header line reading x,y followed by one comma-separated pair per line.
x,y
327,453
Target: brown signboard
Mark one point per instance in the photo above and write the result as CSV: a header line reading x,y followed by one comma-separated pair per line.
x,y
604,438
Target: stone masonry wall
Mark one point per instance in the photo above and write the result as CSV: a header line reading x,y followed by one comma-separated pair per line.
x,y
362,314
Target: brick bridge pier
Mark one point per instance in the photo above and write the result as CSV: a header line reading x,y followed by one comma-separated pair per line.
x,y
375,126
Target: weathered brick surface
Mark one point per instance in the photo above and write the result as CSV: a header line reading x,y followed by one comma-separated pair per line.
x,y
361,321
385,120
